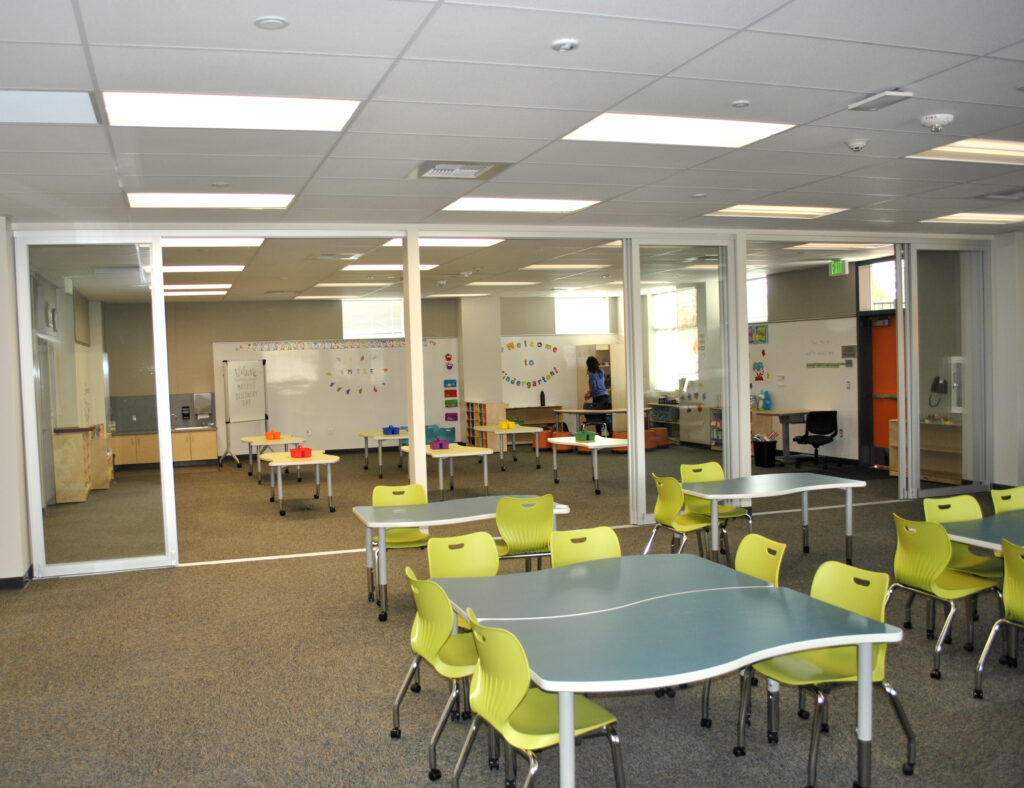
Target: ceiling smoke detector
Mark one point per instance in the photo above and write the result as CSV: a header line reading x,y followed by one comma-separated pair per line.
x,y
857,144
937,121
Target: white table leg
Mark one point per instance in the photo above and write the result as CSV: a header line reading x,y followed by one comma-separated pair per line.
x,y
865,658
804,520
501,448
380,459
536,448
486,485
382,574
280,487
554,460
593,459
259,469
849,525
250,459
316,493
566,739
440,476
714,530
451,473
366,453
369,565
330,490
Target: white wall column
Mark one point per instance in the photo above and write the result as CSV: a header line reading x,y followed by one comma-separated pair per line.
x,y
1006,306
414,361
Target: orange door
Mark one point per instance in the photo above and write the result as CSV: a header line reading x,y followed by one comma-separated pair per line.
x,y
883,378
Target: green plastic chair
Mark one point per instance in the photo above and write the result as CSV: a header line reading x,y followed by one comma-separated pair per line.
x,y
956,509
921,566
525,717
1008,500
712,472
1013,608
669,512
525,525
584,544
453,656
469,555
396,538
858,591
760,557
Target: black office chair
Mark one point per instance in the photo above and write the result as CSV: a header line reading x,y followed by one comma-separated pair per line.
x,y
822,426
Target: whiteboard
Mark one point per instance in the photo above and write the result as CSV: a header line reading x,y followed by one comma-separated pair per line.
x,y
245,395
329,390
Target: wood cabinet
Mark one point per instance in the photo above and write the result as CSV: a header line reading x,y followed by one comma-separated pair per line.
x,y
81,463
941,452
192,445
140,449
480,414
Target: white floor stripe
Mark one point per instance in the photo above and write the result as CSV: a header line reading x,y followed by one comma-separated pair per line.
x,y
360,550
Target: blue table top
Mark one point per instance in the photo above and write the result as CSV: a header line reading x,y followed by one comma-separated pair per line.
x,y
643,622
989,532
767,485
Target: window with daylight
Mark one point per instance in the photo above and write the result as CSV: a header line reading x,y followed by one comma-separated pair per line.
x,y
877,286
757,300
581,316
372,319
673,341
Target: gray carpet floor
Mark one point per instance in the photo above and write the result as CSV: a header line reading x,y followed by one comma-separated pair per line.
x,y
277,671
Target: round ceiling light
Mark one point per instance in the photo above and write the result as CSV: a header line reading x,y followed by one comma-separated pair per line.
x,y
270,22
565,44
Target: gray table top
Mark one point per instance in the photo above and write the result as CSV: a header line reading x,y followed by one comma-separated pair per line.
x,y
768,485
458,510
643,622
989,532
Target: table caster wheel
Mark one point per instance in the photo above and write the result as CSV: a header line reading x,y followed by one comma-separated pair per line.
x,y
597,492
803,714
332,508
414,687
979,694
773,738
434,775
824,727
705,722
493,763
968,647
396,733
936,674
670,692
382,616
282,514
250,473
908,769
316,496
739,752
807,549
659,693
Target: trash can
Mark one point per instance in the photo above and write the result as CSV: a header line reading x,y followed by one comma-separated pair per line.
x,y
764,454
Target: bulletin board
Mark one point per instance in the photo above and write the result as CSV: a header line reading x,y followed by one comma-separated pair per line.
x,y
329,390
805,364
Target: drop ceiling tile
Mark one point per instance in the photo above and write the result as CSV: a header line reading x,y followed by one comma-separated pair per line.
x,y
236,73
553,191
702,179
719,197
572,173
832,140
708,98
765,58
146,182
730,13
1009,177
969,191
748,160
355,27
976,27
93,183
218,166
935,207
1013,52
919,169
49,21
66,207
362,208
342,167
215,142
970,120
43,67
878,187
672,157
393,117
506,86
31,137
982,81
55,163
441,188
430,147
523,38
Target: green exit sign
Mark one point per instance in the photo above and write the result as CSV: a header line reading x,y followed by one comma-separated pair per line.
x,y
838,268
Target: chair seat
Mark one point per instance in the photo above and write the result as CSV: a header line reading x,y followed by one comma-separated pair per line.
x,y
400,538
813,440
503,550
456,659
687,523
729,512
951,584
534,723
816,667
977,565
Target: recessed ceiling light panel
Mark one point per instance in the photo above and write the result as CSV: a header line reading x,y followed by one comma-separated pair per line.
x,y
977,218
879,100
776,211
672,130
210,243
977,150
46,106
504,204
277,202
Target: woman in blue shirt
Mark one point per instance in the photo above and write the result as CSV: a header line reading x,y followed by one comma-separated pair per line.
x,y
598,391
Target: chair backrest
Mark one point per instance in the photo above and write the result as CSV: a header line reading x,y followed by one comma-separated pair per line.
x,y
953,509
701,472
922,552
434,620
857,590
1013,581
822,422
526,523
670,499
1008,500
502,674
761,557
399,495
585,544
469,555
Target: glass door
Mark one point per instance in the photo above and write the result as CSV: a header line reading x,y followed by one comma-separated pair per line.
x,y
943,399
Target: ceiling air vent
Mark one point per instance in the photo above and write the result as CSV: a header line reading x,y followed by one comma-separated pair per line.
x,y
457,170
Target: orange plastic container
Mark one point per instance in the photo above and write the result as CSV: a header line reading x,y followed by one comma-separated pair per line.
x,y
620,449
542,439
298,451
660,436
561,435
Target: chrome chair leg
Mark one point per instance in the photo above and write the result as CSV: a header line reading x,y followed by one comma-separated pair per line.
x,y
434,773
396,730
812,756
984,653
650,541
936,670
467,745
705,705
901,715
743,719
773,711
616,747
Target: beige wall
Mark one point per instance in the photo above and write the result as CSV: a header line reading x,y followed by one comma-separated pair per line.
x,y
15,554
537,316
811,294
128,338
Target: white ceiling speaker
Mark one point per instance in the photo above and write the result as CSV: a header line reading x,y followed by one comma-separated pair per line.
x,y
936,121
